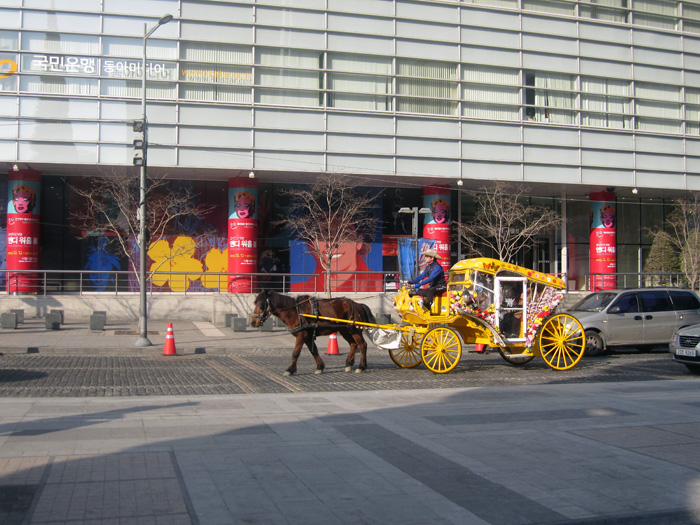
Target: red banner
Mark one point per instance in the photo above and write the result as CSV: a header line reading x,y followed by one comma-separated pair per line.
x,y
242,233
603,241
23,230
437,224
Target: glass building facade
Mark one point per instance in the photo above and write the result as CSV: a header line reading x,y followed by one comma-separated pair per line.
x,y
567,97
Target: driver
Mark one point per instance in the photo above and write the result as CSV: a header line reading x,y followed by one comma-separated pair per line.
x,y
433,275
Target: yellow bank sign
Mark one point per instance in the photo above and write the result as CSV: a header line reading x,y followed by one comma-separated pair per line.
x,y
7,68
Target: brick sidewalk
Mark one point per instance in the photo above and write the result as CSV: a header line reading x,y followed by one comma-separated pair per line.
x,y
119,336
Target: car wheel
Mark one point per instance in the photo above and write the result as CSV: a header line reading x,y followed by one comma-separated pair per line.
x,y
594,344
695,369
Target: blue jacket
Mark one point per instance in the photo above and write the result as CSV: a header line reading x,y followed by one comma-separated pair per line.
x,y
433,275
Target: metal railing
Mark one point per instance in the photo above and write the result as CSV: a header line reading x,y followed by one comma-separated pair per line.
x,y
638,280
80,282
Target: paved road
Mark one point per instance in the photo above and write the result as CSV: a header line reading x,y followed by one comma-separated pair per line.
x,y
260,371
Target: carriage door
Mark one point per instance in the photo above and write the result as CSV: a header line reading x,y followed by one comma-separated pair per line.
x,y
511,305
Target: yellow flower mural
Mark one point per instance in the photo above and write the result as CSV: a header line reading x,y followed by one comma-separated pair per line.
x,y
179,258
216,261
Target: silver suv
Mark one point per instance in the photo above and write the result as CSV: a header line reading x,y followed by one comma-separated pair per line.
x,y
642,317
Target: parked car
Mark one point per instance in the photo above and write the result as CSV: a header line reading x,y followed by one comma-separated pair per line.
x,y
685,347
641,317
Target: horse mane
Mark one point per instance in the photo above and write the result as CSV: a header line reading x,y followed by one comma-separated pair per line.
x,y
280,301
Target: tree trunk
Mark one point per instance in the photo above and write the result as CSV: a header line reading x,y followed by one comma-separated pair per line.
x,y
328,282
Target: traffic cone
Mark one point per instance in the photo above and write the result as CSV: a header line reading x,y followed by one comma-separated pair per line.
x,y
169,348
333,345
479,347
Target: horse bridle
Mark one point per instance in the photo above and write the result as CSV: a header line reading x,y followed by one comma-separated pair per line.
x,y
266,312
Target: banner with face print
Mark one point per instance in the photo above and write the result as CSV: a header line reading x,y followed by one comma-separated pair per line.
x,y
242,233
437,224
23,189
603,239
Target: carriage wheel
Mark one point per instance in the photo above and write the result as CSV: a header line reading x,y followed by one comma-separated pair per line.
x,y
441,349
521,359
407,355
562,341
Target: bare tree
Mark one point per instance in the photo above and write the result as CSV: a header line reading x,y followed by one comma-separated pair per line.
x,y
329,214
504,223
111,208
683,226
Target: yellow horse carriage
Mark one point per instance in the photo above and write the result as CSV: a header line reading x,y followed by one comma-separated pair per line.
x,y
488,303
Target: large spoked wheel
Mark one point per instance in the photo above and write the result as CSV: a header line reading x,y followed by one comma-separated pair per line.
x,y
515,359
441,349
562,341
407,355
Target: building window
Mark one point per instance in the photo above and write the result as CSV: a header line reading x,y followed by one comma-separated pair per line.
x,y
58,85
550,97
691,13
606,103
291,77
513,4
657,107
8,63
60,43
426,86
692,111
551,6
359,82
610,10
216,72
656,13
490,92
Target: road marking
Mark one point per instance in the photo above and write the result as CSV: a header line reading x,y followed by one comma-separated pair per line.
x,y
209,329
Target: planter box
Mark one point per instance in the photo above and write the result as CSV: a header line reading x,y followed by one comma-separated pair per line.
x,y
9,321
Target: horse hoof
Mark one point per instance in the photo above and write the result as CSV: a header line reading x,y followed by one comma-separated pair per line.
x,y
348,368
318,372
359,370
287,373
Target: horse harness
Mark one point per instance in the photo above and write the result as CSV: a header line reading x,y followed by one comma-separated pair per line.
x,y
304,323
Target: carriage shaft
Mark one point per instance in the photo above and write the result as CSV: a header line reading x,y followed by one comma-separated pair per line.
x,y
360,323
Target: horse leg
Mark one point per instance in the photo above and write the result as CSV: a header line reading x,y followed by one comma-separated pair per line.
x,y
353,347
295,355
311,344
363,353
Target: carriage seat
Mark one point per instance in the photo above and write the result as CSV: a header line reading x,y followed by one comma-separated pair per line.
x,y
441,305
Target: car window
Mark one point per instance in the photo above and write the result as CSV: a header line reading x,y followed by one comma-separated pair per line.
x,y
655,301
684,300
627,303
595,302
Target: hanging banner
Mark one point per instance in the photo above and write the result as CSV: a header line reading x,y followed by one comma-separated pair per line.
x,y
407,256
242,234
23,215
603,241
437,224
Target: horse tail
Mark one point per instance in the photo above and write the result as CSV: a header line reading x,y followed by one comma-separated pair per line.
x,y
369,316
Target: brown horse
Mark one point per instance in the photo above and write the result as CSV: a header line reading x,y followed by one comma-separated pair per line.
x,y
305,329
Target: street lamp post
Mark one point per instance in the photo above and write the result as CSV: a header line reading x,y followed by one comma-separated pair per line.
x,y
143,240
414,226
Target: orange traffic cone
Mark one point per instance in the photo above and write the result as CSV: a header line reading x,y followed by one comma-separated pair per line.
x,y
169,348
333,345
